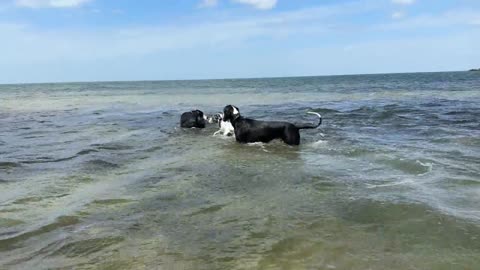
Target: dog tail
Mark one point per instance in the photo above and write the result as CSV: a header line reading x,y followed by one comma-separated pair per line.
x,y
310,126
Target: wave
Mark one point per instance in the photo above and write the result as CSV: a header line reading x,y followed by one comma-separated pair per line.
x,y
319,143
99,164
86,152
112,146
415,167
48,160
84,248
324,110
391,184
14,242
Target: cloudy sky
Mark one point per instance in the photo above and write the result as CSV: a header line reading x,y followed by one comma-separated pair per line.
x,y
97,40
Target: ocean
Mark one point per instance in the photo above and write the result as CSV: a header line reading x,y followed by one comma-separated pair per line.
x,y
100,175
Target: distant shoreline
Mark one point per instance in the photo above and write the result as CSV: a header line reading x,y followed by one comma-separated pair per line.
x,y
474,69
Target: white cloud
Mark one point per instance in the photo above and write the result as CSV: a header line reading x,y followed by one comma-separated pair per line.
x,y
26,49
208,3
50,3
259,4
25,43
459,17
29,44
403,2
475,21
398,15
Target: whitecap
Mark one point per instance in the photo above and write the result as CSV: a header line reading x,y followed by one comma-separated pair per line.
x,y
405,182
319,143
427,165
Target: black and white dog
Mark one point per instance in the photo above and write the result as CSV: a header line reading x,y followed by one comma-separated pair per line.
x,y
193,119
226,128
249,130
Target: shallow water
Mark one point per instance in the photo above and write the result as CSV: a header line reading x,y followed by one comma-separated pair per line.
x,y
100,176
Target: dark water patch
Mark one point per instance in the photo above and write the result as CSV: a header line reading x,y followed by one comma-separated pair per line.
x,y
364,110
37,132
7,222
34,137
469,141
46,115
323,184
4,115
79,178
441,140
208,210
431,105
111,201
8,233
8,165
325,111
87,247
384,115
178,170
49,160
60,195
413,223
28,200
112,146
436,103
14,242
99,164
378,212
153,180
388,112
167,197
86,152
46,161
463,113
70,132
462,182
299,252
11,210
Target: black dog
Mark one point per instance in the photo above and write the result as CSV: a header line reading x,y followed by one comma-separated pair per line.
x,y
193,119
249,130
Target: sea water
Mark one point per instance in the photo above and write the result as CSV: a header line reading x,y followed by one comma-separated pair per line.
x,y
100,175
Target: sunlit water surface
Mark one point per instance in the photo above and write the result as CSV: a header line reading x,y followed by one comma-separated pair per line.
x,y
100,176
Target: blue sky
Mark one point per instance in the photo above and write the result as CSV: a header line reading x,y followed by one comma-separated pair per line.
x,y
98,40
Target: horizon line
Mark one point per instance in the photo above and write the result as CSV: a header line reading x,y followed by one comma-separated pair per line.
x,y
231,78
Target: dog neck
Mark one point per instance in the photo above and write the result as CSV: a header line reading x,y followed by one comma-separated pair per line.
x,y
235,118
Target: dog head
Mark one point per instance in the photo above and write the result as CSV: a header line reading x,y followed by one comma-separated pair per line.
x,y
216,118
193,119
199,116
230,113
